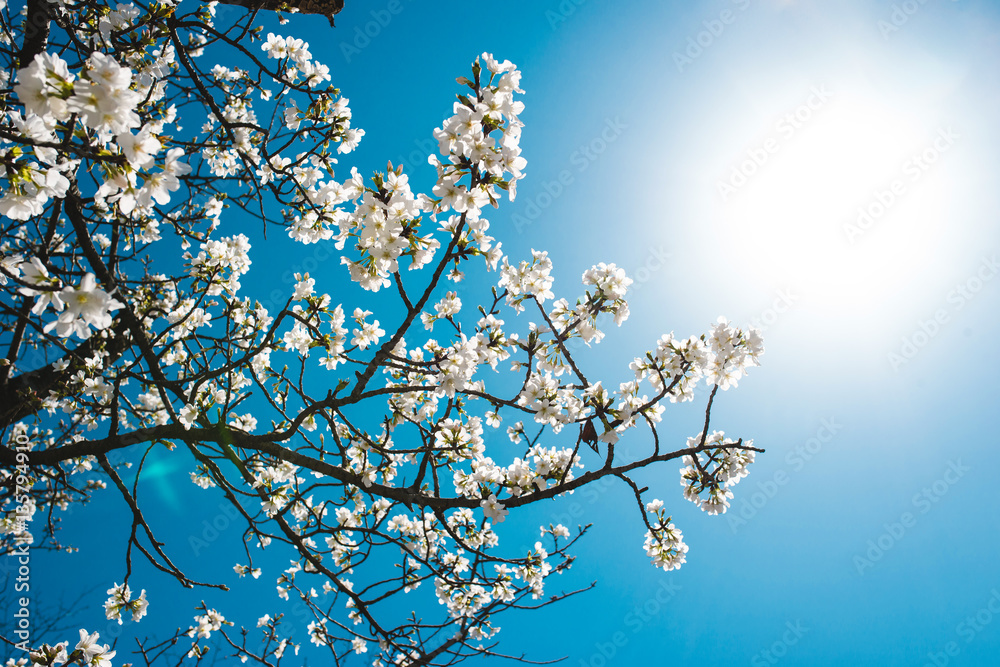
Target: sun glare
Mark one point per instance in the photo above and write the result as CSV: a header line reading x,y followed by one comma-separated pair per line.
x,y
842,202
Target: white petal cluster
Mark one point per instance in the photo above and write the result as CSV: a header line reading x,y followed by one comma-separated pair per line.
x,y
493,510
300,62
457,364
121,600
610,284
87,305
708,475
367,333
383,228
220,263
103,98
664,543
731,353
534,570
335,340
469,141
211,621
607,285
552,403
94,654
539,467
449,306
277,483
526,280
722,357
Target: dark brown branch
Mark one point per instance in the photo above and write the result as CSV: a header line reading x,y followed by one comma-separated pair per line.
x,y
22,395
327,8
36,31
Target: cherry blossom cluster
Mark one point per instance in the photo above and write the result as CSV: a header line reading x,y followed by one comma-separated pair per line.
x,y
539,468
664,542
715,470
722,357
552,403
299,60
80,307
220,263
384,227
610,285
279,482
237,139
98,107
103,99
481,139
121,600
527,280
211,621
731,352
448,307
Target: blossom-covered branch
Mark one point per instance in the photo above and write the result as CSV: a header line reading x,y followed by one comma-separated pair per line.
x,y
125,149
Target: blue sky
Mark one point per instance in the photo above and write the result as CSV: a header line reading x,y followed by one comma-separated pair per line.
x,y
867,533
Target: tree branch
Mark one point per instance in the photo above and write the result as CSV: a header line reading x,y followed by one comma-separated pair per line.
x,y
327,8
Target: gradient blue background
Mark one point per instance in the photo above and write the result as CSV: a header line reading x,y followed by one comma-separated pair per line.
x,y
793,562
